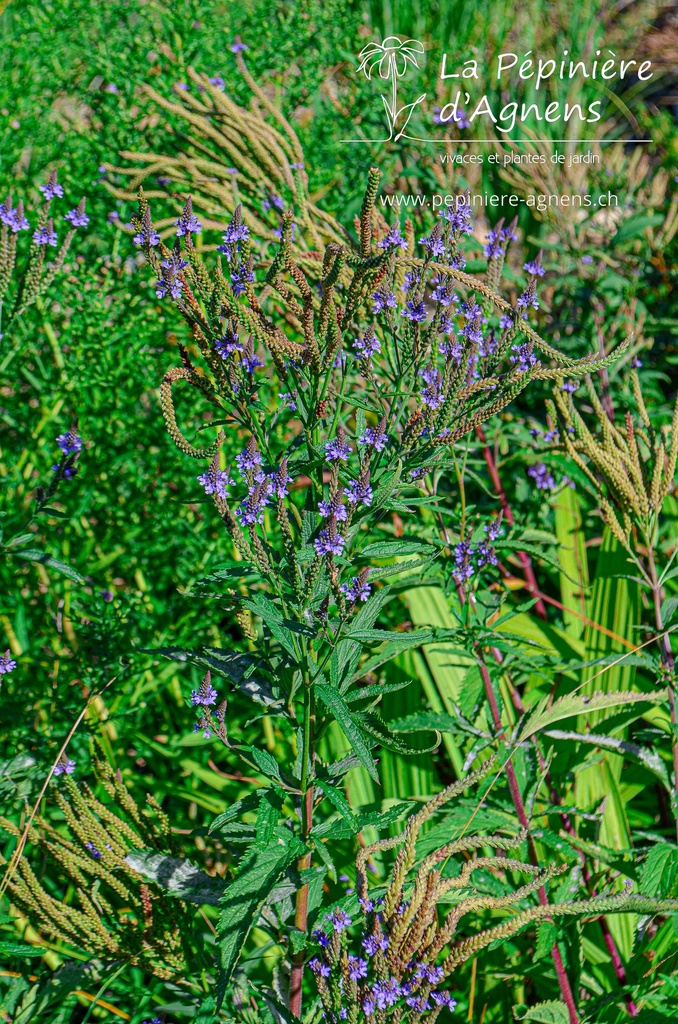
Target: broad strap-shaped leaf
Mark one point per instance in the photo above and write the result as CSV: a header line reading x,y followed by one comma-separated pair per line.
x,y
178,876
580,704
243,899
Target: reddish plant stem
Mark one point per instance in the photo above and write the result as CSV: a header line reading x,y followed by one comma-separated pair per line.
x,y
514,789
525,559
616,959
301,911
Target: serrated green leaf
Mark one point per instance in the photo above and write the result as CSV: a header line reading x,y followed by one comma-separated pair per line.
x,y
242,900
337,706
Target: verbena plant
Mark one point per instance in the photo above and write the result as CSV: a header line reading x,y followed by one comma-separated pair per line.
x,y
349,413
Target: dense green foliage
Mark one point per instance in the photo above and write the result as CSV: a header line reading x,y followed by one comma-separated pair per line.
x,y
121,586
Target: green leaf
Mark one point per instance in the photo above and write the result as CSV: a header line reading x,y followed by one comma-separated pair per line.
x,y
395,548
9,948
242,901
553,1012
341,804
437,720
34,555
400,640
338,707
581,704
547,933
660,870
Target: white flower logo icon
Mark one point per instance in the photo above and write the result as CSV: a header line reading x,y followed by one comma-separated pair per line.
x,y
391,59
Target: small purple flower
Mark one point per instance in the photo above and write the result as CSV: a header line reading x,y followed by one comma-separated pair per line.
x,y
77,217
69,443
368,346
636,363
235,233
46,235
52,189
357,968
66,766
358,590
433,244
393,238
249,459
93,850
321,938
505,321
383,299
273,201
188,223
444,999
238,47
587,259
203,726
570,386
7,663
239,280
493,529
250,363
542,476
375,437
14,218
523,357
340,920
414,311
534,268
386,993
218,82
147,236
372,944
216,482
279,481
485,554
451,349
206,695
462,569
368,1007
337,449
432,395
328,543
107,596
334,507
359,492
288,398
318,967
228,344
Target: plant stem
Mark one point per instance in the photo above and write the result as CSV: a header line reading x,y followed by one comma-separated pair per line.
x,y
306,790
669,664
525,559
514,789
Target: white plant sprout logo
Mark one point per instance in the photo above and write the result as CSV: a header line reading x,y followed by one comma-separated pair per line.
x,y
391,58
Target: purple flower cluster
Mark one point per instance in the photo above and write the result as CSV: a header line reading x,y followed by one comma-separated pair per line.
x,y
393,239
77,217
415,311
170,282
523,357
334,507
93,850
13,218
375,437
337,449
65,766
432,395
497,240
216,481
383,299
367,346
228,344
70,443
7,663
359,492
358,589
542,476
52,189
46,235
188,223
328,542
